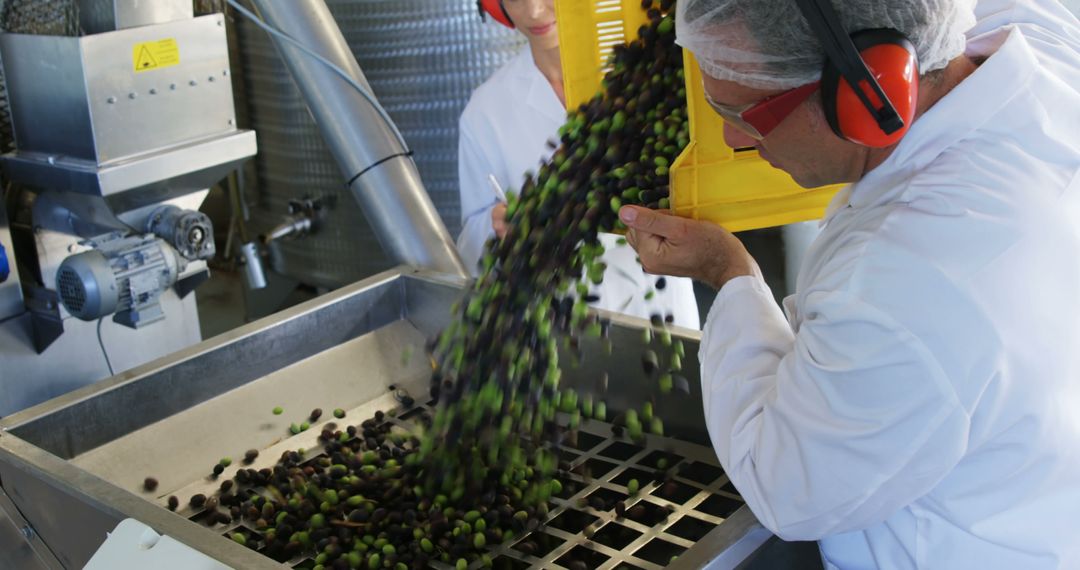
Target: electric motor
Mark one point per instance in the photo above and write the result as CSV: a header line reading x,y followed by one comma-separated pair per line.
x,y
123,275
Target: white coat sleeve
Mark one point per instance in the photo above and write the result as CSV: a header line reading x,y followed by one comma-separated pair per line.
x,y
830,429
477,197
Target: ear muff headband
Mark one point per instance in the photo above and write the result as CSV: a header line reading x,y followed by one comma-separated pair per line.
x,y
891,59
859,108
496,10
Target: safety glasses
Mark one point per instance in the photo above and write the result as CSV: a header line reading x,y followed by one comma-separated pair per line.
x,y
759,119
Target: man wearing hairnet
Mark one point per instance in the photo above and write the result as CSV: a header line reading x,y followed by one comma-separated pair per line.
x,y
918,406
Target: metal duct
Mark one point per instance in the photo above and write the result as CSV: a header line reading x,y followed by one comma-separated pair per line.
x,y
422,59
370,153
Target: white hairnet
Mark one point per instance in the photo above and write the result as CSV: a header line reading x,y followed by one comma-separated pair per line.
x,y
767,44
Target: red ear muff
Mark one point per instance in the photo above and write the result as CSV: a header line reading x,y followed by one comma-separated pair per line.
x,y
892,60
495,9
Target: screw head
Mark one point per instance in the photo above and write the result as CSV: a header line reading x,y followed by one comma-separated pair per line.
x,y
111,100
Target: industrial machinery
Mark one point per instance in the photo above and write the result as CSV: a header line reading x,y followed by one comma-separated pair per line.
x,y
423,59
119,133
79,461
73,469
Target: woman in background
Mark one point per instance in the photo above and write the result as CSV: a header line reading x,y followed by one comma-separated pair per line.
x,y
503,134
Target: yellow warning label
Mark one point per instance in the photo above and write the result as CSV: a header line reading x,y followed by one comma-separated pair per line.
x,y
155,55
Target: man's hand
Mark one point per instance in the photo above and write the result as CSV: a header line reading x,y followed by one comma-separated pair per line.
x,y
670,245
498,220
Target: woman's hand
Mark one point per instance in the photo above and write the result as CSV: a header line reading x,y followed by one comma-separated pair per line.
x,y
670,245
498,220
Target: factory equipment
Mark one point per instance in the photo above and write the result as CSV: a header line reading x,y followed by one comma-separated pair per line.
x,y
118,135
76,467
423,59
119,275
86,454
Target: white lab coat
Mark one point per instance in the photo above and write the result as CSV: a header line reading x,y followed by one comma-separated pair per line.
x,y
504,131
919,407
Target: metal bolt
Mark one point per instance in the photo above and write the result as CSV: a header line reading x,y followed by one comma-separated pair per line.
x,y
193,83
232,122
211,78
172,86
153,91
111,100
225,73
132,95
28,532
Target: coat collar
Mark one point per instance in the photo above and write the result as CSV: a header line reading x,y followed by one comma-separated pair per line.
x,y
539,94
961,112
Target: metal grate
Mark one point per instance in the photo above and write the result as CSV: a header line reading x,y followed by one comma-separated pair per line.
x,y
674,507
71,290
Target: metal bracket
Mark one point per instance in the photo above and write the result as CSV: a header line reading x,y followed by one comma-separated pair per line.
x,y
44,306
188,284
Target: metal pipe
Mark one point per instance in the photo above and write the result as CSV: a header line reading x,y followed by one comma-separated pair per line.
x,y
381,177
253,267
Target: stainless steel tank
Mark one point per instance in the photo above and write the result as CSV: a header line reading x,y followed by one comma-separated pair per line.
x,y
423,59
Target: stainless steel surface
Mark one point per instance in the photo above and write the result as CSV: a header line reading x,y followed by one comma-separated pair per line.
x,y
406,224
140,181
75,359
85,454
382,179
294,163
423,59
20,547
72,510
291,227
698,510
110,126
52,17
98,16
11,296
83,97
254,273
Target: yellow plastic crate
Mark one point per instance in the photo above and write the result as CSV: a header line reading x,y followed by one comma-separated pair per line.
x,y
709,180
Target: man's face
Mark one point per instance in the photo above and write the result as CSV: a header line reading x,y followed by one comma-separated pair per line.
x,y
802,145
535,19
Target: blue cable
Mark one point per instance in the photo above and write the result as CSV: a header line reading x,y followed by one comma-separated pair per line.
x,y
5,268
